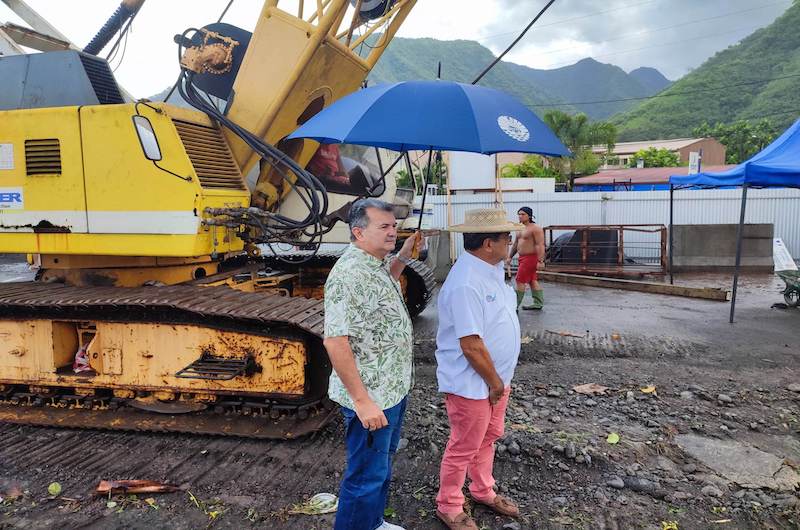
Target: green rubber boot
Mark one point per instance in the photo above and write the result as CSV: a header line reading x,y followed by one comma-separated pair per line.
x,y
520,296
538,300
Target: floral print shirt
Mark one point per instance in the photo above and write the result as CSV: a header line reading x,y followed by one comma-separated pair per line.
x,y
365,303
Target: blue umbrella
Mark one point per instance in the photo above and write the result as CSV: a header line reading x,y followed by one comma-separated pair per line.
x,y
439,115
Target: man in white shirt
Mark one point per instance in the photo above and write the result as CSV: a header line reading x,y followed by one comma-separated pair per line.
x,y
478,344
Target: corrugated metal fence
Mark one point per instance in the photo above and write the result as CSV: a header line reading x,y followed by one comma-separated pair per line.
x,y
778,206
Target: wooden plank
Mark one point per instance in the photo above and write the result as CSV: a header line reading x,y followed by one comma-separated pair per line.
x,y
705,293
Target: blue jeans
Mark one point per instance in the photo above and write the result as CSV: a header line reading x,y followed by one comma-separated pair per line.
x,y
365,486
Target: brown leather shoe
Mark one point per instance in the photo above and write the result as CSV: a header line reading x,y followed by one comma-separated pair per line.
x,y
501,505
461,521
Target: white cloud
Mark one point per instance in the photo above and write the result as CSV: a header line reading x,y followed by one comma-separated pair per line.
x,y
569,31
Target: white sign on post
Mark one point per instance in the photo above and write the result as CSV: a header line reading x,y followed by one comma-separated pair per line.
x,y
781,256
471,171
694,163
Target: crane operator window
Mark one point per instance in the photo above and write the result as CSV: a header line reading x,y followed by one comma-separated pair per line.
x,y
347,169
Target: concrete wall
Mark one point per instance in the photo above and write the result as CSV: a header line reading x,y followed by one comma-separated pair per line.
x,y
714,246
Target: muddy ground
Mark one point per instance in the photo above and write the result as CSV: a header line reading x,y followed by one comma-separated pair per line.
x,y
715,443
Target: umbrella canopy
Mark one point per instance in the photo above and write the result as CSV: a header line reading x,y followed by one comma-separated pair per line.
x,y
440,115
776,166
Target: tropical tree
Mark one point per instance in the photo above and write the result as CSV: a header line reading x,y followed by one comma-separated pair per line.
x,y
742,138
653,157
579,135
531,167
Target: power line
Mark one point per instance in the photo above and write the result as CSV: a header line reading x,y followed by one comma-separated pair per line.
x,y
519,38
661,45
646,32
687,92
565,20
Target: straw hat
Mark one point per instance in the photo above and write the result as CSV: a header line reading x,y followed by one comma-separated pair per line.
x,y
486,221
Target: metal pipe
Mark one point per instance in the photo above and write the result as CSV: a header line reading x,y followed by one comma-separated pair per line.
x,y
739,237
671,226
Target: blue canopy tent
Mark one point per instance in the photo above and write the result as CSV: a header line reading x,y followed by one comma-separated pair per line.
x,y
776,166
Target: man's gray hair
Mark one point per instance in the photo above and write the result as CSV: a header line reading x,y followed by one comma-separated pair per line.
x,y
358,213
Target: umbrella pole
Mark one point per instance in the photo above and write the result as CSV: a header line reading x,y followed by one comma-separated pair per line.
x,y
425,180
671,225
739,237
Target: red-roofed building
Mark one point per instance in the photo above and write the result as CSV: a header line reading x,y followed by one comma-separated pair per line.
x,y
634,179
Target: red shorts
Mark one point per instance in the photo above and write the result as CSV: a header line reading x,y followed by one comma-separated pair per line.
x,y
528,264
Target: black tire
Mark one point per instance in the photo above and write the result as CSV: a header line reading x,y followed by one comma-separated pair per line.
x,y
792,297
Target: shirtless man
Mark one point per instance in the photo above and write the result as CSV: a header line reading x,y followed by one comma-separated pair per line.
x,y
530,245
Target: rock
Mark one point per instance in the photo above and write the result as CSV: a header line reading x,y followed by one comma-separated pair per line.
x,y
711,491
554,392
689,469
794,387
558,448
754,426
724,398
681,496
570,452
629,397
665,464
590,403
600,497
641,485
615,482
402,444
652,424
563,467
541,402
512,526
514,448
501,449
561,501
555,418
741,463
434,449
687,395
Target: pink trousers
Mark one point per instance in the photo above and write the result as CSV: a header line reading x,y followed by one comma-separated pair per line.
x,y
475,425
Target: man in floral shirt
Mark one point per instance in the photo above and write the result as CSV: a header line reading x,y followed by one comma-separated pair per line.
x,y
368,336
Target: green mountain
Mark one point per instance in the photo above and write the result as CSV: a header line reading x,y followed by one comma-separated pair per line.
x,y
589,80
541,90
462,61
756,78
650,78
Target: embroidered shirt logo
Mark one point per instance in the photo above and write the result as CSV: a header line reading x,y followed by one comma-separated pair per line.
x,y
514,128
491,297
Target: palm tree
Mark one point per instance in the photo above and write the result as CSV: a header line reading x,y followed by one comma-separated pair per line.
x,y
578,134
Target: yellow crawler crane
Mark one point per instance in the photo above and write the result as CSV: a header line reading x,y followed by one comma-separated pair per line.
x,y
152,309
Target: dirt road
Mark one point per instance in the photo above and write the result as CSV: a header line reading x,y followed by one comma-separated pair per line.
x,y
714,445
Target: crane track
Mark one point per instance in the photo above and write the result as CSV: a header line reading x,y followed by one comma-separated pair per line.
x,y
216,307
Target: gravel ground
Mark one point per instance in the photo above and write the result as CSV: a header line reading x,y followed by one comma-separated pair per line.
x,y
707,417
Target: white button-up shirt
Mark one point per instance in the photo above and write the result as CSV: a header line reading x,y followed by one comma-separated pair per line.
x,y
475,300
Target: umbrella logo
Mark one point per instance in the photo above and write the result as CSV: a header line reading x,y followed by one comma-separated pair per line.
x,y
514,128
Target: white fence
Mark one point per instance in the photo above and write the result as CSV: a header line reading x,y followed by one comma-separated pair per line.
x,y
780,207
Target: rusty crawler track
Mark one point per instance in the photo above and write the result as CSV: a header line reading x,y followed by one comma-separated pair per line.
x,y
217,307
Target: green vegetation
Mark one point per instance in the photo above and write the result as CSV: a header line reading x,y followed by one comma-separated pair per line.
x,y
763,76
652,157
590,80
579,135
462,60
742,139
532,167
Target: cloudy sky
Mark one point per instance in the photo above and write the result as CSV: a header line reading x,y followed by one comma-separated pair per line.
x,y
671,35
